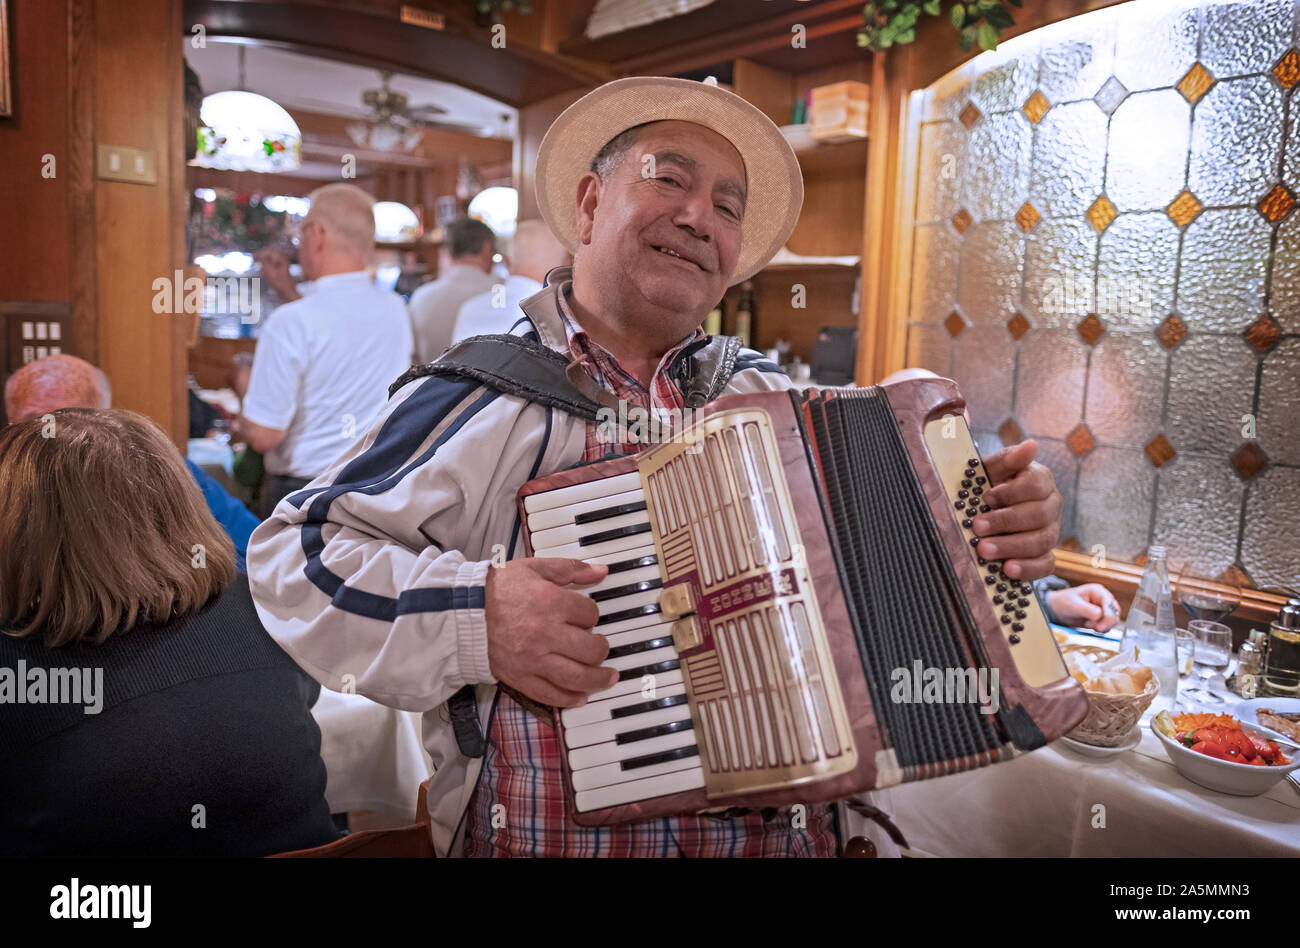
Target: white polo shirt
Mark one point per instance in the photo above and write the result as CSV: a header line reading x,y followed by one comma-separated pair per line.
x,y
479,316
322,369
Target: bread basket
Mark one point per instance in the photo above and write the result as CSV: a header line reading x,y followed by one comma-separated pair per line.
x,y
1110,717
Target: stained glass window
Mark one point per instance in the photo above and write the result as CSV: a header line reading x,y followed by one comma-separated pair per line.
x,y
1106,258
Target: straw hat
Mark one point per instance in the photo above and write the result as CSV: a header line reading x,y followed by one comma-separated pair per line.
x,y
775,182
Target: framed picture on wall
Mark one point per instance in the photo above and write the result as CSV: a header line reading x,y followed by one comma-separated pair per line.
x,y
5,103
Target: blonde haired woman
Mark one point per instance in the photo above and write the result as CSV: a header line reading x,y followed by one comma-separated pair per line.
x,y
147,712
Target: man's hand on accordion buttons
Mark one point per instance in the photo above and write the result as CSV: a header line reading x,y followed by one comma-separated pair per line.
x,y
1025,522
539,633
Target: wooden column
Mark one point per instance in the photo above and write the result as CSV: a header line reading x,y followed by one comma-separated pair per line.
x,y
140,228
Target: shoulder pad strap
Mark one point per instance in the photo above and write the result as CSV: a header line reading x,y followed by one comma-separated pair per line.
x,y
511,365
703,369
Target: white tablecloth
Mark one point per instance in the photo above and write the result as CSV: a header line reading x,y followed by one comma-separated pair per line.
x,y
1047,802
374,759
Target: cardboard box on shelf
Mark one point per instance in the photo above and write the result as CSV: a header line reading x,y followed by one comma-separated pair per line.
x,y
839,111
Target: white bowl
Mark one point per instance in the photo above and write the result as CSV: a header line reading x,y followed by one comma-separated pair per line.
x,y
1242,780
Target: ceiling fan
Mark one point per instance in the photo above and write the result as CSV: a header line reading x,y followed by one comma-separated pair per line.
x,y
394,125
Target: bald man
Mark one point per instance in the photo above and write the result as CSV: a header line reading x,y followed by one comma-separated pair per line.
x,y
64,381
57,381
323,366
534,252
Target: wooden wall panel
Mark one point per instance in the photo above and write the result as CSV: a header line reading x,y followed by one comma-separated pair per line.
x,y
534,120
35,209
140,228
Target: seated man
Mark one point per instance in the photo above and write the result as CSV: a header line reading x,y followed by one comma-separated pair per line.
x,y
64,381
158,717
381,576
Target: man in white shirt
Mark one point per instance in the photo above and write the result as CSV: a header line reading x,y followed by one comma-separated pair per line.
x,y
534,252
324,364
471,246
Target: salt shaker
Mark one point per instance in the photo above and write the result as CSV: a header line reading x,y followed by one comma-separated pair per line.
x,y
1250,665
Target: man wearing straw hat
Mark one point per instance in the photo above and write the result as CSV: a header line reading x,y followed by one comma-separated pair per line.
x,y
399,573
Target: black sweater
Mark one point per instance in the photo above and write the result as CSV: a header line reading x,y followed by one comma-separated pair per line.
x,y
204,746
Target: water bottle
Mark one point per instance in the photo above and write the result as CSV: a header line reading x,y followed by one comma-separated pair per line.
x,y
1150,625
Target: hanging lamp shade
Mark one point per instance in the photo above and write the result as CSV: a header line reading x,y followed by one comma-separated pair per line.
x,y
395,222
244,131
498,207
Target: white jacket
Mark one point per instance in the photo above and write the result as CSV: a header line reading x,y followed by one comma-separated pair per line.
x,y
373,577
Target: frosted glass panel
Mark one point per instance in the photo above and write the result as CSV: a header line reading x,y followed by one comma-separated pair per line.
x,y
1231,111
1069,159
1137,264
1126,387
1116,490
1126,270
992,257
1049,395
1224,261
1239,36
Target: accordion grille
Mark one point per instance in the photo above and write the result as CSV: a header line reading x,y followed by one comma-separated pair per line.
x,y
765,699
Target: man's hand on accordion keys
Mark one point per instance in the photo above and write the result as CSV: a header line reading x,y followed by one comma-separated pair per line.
x,y
1025,522
540,639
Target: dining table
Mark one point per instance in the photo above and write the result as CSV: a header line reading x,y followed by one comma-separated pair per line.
x,y
1058,802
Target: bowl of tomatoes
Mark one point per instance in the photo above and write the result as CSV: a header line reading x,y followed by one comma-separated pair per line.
x,y
1221,753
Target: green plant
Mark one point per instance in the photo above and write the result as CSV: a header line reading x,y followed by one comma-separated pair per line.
x,y
487,12
893,22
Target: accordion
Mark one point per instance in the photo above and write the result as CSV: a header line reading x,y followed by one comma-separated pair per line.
x,y
795,608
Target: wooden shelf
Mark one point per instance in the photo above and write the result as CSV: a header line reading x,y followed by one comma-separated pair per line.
x,y
815,267
412,245
826,157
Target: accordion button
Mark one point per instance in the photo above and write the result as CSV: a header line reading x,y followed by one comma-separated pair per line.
x,y
990,580
1017,627
984,508
1009,607
977,491
1013,639
1022,603
975,541
997,599
971,462
1001,587
959,504
992,567
966,523
1020,613
979,480
1006,620
963,493
967,482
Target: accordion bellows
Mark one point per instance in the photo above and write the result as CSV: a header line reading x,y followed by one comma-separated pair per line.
x,y
796,609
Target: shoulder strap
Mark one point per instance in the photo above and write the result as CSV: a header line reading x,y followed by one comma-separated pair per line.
x,y
511,365
516,365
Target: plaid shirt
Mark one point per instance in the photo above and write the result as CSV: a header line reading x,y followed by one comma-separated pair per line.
x,y
519,807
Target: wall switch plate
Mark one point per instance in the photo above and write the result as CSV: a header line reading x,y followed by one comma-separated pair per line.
x,y
132,165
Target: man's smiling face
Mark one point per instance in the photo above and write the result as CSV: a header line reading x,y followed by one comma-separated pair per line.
x,y
661,234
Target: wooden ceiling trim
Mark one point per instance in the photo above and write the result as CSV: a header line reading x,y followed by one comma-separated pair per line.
x,y
372,36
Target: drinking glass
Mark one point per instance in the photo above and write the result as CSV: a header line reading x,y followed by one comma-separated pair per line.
x,y
1213,651
1206,592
